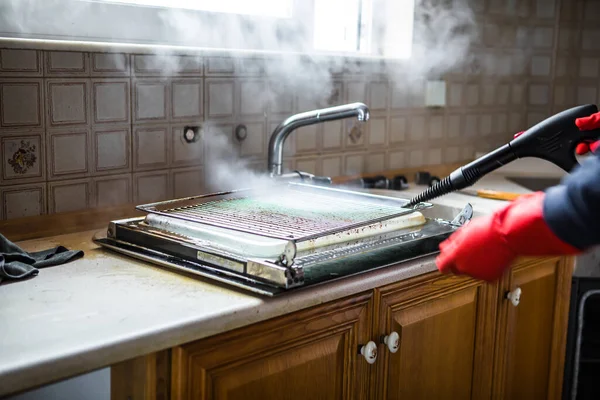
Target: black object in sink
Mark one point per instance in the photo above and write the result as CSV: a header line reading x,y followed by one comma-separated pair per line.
x,y
535,183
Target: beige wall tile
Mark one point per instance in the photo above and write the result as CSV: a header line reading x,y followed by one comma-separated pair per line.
x,y
110,100
69,195
110,64
113,190
23,200
151,146
67,63
150,187
186,99
68,154
150,100
188,182
68,102
21,103
16,62
111,150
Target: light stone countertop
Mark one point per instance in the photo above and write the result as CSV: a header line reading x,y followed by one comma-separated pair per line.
x,y
106,308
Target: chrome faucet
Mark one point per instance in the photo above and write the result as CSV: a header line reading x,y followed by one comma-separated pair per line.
x,y
283,130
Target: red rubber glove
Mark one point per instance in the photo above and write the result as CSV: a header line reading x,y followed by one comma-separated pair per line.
x,y
485,247
588,124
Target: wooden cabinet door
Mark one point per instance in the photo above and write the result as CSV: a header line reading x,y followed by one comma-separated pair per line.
x,y
445,349
311,354
532,333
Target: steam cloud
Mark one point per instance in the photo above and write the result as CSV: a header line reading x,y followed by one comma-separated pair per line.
x,y
443,33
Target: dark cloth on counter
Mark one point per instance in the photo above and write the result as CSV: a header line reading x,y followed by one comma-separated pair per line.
x,y
16,263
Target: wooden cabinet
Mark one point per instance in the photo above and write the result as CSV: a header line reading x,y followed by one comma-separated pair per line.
x,y
445,340
309,355
532,331
436,337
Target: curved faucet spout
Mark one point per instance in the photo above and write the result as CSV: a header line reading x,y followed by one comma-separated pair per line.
x,y
354,110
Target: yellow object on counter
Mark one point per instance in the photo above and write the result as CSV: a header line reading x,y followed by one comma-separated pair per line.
x,y
491,194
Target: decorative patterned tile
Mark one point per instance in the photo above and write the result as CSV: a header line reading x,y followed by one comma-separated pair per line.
x,y
14,62
354,164
110,99
354,133
23,158
396,159
113,190
255,144
21,103
187,182
398,128
67,102
69,195
220,66
150,187
309,165
166,65
375,162
377,131
184,153
110,64
68,153
252,98
331,166
23,200
150,100
219,98
151,147
67,63
111,149
186,99
332,135
378,96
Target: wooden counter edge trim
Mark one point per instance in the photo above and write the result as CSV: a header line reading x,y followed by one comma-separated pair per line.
x,y
40,226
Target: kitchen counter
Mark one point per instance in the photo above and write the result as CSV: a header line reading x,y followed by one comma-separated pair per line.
x,y
106,308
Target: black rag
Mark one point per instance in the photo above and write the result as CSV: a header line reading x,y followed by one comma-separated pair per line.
x,y
16,263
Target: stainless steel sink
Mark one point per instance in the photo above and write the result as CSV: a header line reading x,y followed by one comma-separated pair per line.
x,y
534,183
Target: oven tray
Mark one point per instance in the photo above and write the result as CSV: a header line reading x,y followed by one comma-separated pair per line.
x,y
327,266
288,212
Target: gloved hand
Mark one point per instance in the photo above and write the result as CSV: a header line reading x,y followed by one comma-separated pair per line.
x,y
585,124
487,245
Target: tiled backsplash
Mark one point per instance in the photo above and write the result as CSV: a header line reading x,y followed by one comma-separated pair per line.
x,y
81,130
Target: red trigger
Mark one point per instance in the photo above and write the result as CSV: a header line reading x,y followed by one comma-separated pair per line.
x,y
518,134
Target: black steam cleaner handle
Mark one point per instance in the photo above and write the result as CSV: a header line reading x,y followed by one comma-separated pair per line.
x,y
553,140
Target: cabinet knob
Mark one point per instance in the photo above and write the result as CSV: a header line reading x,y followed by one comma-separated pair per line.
x,y
369,352
392,341
514,296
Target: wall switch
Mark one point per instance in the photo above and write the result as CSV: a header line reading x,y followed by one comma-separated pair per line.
x,y
435,94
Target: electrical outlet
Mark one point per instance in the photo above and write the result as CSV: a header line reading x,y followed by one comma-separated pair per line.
x,y
435,94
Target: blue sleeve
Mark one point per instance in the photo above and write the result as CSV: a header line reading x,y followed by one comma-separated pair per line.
x,y
572,209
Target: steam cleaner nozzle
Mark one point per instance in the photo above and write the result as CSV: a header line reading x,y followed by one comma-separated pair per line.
x,y
553,139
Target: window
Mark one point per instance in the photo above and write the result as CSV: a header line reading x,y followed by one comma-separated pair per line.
x,y
269,8
299,26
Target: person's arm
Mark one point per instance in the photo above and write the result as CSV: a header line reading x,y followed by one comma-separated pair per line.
x,y
564,220
572,209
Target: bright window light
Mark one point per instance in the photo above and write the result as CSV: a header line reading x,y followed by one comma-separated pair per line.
x,y
269,8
